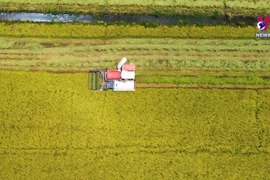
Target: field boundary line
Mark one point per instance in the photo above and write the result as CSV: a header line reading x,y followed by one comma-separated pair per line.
x,y
202,86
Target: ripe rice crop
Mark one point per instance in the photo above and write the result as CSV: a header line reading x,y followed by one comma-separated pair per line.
x,y
263,113
117,31
52,126
250,80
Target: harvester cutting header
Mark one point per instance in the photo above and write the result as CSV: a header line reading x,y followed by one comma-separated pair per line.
x,y
121,79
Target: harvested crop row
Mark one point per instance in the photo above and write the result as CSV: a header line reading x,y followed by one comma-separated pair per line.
x,y
189,61
157,55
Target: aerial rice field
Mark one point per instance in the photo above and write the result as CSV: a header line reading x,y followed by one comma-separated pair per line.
x,y
200,110
52,126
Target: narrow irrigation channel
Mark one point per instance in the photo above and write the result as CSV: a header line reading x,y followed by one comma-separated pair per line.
x,y
128,18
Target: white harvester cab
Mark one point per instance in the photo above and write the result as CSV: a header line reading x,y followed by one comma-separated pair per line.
x,y
121,79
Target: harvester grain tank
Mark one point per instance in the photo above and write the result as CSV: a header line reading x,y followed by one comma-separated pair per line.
x,y
120,79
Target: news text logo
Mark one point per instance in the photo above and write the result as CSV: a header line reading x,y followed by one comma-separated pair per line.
x,y
262,25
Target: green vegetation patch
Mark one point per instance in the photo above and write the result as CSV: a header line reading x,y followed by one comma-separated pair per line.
x,y
185,10
258,4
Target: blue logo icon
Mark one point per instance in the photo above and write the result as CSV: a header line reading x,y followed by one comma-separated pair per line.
x,y
261,25
263,22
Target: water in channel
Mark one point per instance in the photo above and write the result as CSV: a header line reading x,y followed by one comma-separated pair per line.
x,y
42,17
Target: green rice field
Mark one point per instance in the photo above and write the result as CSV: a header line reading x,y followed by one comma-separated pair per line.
x,y
258,4
53,127
198,8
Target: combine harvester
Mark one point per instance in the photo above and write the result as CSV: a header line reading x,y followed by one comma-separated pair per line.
x,y
122,79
